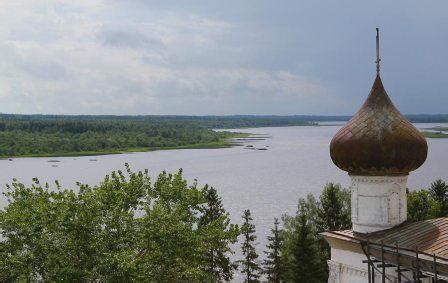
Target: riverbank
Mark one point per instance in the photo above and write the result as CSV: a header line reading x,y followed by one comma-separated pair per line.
x,y
49,135
436,133
228,141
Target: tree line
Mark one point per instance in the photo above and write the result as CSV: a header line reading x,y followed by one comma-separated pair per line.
x,y
19,137
207,122
56,135
215,121
44,135
133,228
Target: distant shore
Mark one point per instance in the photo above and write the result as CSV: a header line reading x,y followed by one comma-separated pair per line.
x,y
59,135
223,143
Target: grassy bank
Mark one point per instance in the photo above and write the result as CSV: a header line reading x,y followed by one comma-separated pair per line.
x,y
435,135
20,137
224,142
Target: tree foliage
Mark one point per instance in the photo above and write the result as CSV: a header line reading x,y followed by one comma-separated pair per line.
x,y
221,234
428,203
127,228
300,251
249,265
273,266
421,206
439,192
59,137
40,135
334,209
333,213
305,251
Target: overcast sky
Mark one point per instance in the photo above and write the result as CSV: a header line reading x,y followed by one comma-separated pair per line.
x,y
220,57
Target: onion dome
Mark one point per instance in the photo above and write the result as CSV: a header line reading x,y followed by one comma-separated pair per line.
x,y
378,140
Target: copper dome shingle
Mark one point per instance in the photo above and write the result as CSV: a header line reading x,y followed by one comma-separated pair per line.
x,y
378,140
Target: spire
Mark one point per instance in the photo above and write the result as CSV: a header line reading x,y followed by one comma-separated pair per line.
x,y
377,51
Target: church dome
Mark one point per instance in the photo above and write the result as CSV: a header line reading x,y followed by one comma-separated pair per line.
x,y
378,140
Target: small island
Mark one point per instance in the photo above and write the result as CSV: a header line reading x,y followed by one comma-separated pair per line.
x,y
436,133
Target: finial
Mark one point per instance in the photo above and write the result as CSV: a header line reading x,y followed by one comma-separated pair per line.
x,y
377,51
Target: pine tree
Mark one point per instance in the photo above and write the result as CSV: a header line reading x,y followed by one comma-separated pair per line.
x,y
272,263
249,264
304,259
439,192
333,212
220,235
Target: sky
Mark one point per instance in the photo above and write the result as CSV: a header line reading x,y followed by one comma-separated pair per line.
x,y
280,57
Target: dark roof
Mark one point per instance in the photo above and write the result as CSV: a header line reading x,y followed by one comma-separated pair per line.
x,y
378,140
428,236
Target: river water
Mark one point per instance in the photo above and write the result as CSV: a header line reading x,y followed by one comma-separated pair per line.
x,y
268,182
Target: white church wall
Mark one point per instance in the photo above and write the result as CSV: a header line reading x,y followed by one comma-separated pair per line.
x,y
378,202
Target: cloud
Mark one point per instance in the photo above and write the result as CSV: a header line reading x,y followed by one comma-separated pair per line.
x,y
128,38
236,91
92,57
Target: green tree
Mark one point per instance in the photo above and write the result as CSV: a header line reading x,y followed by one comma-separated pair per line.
x,y
220,234
250,267
58,135
302,232
4,271
334,209
300,250
421,206
273,267
439,192
333,213
127,228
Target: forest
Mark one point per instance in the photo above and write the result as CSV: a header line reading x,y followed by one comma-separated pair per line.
x,y
49,135
84,137
133,228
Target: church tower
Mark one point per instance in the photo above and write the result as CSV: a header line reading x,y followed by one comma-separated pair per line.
x,y
378,148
